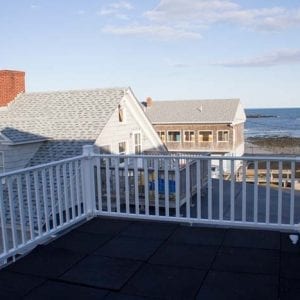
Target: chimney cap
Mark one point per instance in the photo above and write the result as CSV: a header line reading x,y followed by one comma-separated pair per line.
x,y
12,71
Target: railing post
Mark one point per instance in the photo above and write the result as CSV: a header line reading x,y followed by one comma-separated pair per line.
x,y
88,180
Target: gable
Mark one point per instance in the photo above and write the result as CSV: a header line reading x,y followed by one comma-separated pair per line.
x,y
135,121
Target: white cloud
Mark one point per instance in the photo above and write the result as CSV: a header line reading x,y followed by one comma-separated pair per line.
x,y
121,5
154,31
277,57
178,19
116,9
207,12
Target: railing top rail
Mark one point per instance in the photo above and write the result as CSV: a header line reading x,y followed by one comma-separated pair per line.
x,y
42,166
205,157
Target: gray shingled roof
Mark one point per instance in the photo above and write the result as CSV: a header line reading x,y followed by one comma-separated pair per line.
x,y
60,115
68,119
193,111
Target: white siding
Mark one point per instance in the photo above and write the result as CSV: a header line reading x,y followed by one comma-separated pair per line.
x,y
116,132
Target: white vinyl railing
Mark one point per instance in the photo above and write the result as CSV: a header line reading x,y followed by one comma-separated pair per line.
x,y
38,202
243,193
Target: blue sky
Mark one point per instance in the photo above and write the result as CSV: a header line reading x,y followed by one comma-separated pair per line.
x,y
166,49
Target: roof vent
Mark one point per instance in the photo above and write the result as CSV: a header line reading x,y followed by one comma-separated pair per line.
x,y
149,102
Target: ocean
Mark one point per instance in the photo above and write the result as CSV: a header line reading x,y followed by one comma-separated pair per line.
x,y
272,122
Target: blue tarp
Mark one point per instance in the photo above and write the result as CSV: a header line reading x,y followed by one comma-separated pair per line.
x,y
161,186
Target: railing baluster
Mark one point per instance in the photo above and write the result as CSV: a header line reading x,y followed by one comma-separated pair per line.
x,y
71,175
30,209
198,185
99,181
177,187
244,186
255,208
126,175
187,188
279,208
45,200
232,196
38,202
78,198
292,199
166,178
117,177
66,194
21,208
146,186
209,190
156,187
53,209
3,220
59,198
12,212
221,189
107,173
268,193
136,187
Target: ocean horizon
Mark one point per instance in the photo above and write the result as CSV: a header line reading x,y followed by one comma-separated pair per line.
x,y
274,122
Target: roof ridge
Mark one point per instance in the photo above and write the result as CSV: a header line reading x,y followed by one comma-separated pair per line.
x,y
79,90
194,100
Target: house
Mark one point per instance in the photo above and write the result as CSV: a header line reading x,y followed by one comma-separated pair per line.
x,y
202,126
215,126
41,127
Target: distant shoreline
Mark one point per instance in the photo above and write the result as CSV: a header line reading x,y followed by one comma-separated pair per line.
x,y
273,145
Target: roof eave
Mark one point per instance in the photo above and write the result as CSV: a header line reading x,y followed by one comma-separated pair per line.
x,y
12,143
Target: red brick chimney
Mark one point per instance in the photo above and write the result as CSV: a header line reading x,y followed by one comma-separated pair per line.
x,y
149,102
12,83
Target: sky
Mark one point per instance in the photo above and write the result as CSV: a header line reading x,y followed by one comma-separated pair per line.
x,y
165,49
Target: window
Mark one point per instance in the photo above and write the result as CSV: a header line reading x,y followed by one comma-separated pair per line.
x,y
189,136
137,143
223,136
121,113
105,149
1,162
162,135
205,136
174,136
122,150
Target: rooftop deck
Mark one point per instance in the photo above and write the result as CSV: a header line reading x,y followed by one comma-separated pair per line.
x,y
106,226
109,258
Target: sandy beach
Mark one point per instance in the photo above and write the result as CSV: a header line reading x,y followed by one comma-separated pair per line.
x,y
273,145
